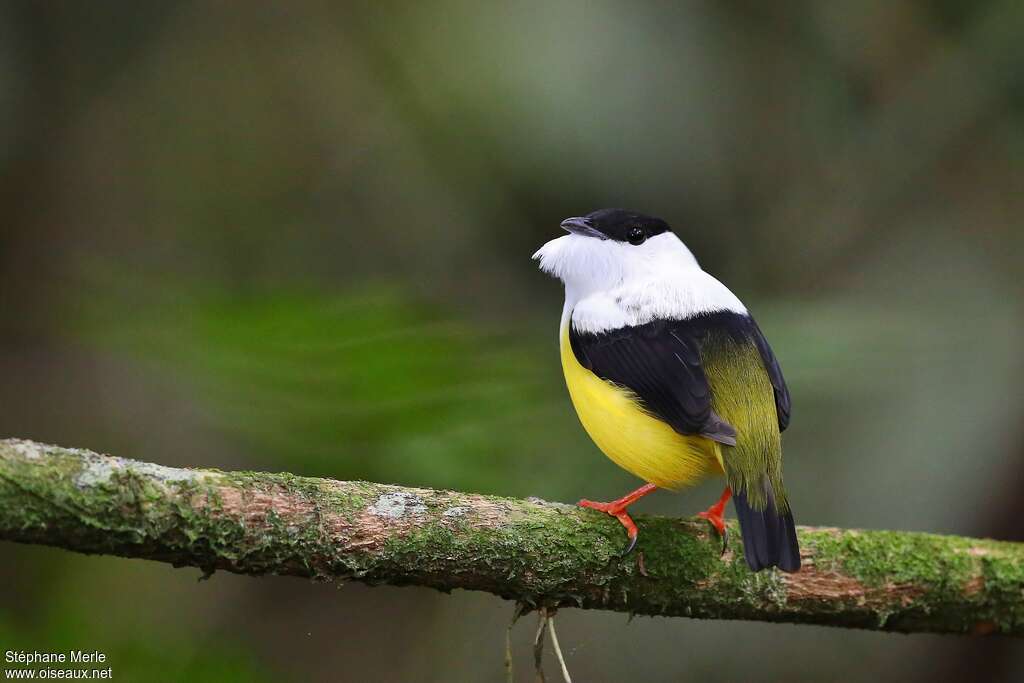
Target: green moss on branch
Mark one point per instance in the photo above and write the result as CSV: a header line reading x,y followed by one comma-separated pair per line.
x,y
531,551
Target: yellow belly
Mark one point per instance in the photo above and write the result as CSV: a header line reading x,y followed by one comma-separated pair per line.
x,y
634,440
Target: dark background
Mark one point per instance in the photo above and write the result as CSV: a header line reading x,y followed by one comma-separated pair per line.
x,y
296,236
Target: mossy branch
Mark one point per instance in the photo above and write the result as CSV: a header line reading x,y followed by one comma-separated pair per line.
x,y
538,553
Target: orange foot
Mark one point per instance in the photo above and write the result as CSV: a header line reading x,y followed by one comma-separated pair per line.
x,y
714,515
617,509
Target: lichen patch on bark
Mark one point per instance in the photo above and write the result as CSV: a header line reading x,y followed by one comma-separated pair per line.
x,y
396,505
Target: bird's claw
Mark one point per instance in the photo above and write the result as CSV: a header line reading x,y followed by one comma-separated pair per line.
x,y
617,509
619,512
718,523
630,545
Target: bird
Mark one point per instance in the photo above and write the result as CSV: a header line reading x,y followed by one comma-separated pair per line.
x,y
671,377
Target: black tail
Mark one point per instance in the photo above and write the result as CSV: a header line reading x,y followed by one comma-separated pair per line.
x,y
769,538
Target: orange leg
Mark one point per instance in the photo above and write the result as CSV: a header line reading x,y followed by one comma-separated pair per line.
x,y
714,515
617,509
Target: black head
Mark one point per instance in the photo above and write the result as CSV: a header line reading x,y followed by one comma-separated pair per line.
x,y
616,224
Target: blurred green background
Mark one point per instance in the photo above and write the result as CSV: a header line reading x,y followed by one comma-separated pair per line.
x,y
296,236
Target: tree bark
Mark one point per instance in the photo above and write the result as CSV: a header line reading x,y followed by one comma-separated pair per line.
x,y
538,553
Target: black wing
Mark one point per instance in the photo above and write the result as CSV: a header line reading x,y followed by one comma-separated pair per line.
x,y
660,362
771,364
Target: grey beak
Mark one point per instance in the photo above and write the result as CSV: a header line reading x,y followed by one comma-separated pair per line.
x,y
582,226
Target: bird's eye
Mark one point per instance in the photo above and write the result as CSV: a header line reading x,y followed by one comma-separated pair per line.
x,y
637,236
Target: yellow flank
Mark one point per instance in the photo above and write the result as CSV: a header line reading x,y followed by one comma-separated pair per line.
x,y
634,440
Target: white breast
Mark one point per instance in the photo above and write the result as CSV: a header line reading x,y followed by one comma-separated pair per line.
x,y
681,296
611,284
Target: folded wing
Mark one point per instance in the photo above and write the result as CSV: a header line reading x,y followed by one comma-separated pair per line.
x,y
660,362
